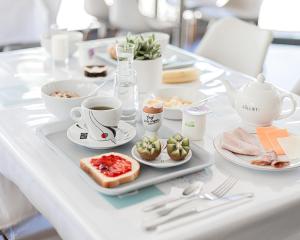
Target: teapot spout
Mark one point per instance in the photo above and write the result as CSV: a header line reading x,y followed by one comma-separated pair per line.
x,y
231,91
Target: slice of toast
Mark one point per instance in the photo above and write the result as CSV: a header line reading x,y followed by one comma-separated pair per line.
x,y
110,182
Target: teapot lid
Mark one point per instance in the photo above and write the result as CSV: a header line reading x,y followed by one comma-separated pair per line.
x,y
261,83
261,78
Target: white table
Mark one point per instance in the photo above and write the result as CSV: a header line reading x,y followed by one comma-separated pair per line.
x,y
78,212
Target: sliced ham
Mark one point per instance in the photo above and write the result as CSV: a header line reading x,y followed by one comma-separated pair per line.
x,y
280,164
233,142
266,159
240,142
260,163
270,156
271,159
244,136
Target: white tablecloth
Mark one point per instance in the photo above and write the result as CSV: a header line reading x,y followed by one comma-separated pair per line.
x,y
14,206
78,212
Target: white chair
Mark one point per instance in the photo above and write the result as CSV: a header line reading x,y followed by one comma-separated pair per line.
x,y
18,218
236,44
98,9
14,206
247,10
296,88
243,9
22,22
35,228
126,15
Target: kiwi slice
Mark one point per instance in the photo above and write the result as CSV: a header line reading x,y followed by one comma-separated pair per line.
x,y
178,147
148,148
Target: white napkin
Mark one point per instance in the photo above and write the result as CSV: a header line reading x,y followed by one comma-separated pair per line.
x,y
290,146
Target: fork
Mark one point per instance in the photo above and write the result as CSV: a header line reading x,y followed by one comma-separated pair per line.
x,y
218,193
152,224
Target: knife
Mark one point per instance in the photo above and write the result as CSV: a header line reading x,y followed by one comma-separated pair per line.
x,y
176,65
153,224
164,202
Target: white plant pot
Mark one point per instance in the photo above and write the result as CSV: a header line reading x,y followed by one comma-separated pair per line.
x,y
149,74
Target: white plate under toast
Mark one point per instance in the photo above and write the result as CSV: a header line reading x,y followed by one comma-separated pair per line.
x,y
55,135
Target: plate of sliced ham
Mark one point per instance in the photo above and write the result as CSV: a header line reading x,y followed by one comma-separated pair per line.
x,y
254,152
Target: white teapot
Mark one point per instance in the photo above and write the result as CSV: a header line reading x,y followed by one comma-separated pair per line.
x,y
259,103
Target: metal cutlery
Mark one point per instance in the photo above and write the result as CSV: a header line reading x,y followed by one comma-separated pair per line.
x,y
172,59
217,193
153,224
190,190
181,64
198,104
97,89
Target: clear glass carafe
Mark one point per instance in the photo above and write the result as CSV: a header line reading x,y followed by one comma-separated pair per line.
x,y
126,83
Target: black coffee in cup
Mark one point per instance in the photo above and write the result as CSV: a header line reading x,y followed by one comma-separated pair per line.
x,y
100,115
100,108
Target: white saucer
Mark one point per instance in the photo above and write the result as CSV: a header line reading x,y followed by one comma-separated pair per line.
x,y
163,160
80,136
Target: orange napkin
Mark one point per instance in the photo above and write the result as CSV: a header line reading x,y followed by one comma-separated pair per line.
x,y
268,137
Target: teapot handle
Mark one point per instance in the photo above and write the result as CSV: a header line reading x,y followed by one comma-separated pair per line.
x,y
292,110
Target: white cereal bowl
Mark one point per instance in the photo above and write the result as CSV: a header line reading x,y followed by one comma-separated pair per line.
x,y
74,38
190,94
61,107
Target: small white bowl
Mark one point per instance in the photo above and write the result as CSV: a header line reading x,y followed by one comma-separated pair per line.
x,y
74,38
61,107
162,38
185,93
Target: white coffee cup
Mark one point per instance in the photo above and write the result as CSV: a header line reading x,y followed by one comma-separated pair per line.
x,y
100,115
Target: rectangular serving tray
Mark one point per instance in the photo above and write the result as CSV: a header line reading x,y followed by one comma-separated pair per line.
x,y
54,134
182,58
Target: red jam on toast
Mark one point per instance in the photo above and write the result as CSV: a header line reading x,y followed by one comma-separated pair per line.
x,y
111,165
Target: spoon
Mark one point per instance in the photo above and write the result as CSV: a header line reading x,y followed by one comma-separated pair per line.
x,y
192,188
200,103
189,191
96,90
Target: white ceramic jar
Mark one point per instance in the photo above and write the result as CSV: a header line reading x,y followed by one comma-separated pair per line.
x,y
194,122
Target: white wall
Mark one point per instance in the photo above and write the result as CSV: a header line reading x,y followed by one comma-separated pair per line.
x,y
282,65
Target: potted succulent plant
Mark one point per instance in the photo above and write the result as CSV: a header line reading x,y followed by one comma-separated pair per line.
x,y
147,62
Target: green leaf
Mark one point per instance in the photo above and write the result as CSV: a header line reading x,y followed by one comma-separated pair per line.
x,y
144,48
